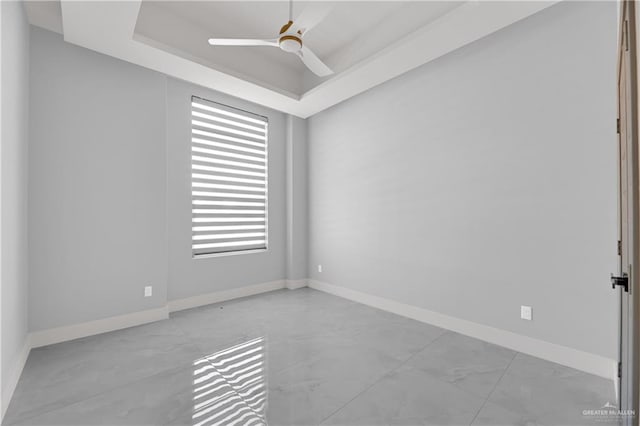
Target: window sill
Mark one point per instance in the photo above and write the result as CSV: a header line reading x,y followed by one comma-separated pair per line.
x,y
228,253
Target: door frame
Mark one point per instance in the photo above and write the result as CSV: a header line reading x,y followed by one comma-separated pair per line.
x,y
627,45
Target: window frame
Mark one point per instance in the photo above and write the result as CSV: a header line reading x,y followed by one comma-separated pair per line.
x,y
231,252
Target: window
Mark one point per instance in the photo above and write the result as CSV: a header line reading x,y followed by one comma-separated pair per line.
x,y
228,179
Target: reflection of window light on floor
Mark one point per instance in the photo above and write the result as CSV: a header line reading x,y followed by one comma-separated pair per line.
x,y
230,386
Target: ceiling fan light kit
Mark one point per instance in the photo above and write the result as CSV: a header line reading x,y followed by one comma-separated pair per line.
x,y
291,44
290,38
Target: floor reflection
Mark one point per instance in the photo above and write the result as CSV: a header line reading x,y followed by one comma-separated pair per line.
x,y
230,386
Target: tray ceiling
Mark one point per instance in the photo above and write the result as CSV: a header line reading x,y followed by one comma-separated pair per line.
x,y
364,42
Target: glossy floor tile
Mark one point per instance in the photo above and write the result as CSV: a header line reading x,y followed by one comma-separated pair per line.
x,y
409,396
150,401
312,390
550,394
470,364
59,375
296,358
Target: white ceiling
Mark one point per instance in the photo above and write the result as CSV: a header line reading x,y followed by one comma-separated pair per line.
x,y
365,42
352,31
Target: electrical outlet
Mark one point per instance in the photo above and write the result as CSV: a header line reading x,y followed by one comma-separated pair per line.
x,y
319,268
525,313
148,291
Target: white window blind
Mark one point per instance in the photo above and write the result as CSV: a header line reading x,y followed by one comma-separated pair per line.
x,y
228,178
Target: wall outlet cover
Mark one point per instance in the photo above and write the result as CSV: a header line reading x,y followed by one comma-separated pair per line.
x,y
148,291
525,313
319,268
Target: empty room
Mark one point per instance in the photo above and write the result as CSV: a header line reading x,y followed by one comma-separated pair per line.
x,y
319,212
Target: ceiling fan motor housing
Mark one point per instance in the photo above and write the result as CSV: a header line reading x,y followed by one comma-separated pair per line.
x,y
290,41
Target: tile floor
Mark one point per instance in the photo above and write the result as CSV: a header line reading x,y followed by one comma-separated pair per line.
x,y
296,358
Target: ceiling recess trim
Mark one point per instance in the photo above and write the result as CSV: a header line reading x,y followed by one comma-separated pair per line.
x,y
108,27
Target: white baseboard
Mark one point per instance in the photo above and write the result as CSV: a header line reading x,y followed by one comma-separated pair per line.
x,y
14,376
76,331
90,328
224,295
296,284
574,358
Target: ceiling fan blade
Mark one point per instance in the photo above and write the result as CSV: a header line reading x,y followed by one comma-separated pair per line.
x,y
241,42
313,62
311,16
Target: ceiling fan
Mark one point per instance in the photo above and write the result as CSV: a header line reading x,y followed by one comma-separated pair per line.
x,y
290,37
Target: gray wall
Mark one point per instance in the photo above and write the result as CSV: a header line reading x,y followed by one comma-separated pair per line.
x,y
13,179
191,277
482,181
110,203
297,202
97,216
